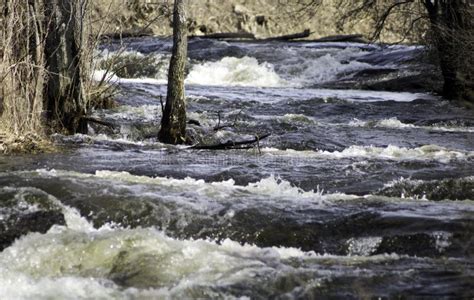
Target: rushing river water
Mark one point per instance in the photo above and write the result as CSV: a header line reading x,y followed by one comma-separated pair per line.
x,y
356,194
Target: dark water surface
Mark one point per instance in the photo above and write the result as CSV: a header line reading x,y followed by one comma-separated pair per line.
x,y
356,194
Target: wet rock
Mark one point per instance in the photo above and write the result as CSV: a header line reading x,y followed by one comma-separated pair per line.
x,y
18,225
26,210
368,73
414,83
388,79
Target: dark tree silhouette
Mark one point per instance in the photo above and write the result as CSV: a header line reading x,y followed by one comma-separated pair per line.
x,y
453,34
450,24
42,69
65,98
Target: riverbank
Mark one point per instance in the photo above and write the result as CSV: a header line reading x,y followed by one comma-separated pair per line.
x,y
28,143
263,18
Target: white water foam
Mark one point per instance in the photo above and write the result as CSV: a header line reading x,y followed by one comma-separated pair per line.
x,y
142,113
427,152
442,240
79,262
296,71
363,246
267,80
231,71
71,264
210,197
326,68
120,139
395,123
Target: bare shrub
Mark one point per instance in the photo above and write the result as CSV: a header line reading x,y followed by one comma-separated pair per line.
x,y
22,71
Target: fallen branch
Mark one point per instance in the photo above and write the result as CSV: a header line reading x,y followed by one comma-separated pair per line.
x,y
126,34
226,35
232,144
301,35
356,38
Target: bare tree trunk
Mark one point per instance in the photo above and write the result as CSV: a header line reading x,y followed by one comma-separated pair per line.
x,y
65,99
173,122
453,31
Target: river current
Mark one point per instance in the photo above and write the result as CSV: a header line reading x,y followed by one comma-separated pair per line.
x,y
357,193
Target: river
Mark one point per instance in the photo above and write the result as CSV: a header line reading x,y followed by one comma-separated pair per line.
x,y
356,193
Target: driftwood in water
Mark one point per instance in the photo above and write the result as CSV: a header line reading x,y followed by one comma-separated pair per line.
x,y
251,36
356,38
232,144
227,35
301,35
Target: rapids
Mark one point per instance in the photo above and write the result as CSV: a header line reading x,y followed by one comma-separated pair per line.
x,y
357,193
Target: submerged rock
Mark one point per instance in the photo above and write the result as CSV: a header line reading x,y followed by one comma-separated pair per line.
x,y
19,225
412,83
26,210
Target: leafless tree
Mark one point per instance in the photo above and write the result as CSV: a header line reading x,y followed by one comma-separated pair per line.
x,y
449,27
42,66
173,122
